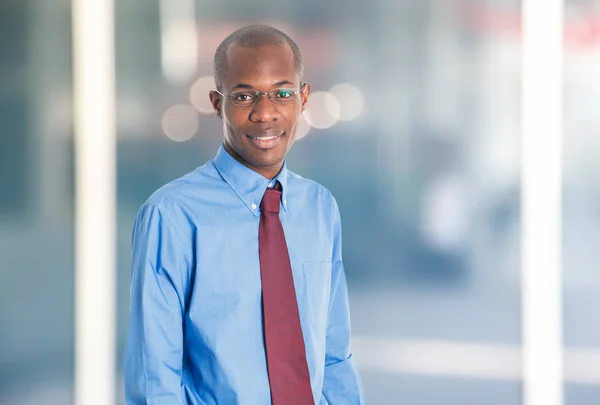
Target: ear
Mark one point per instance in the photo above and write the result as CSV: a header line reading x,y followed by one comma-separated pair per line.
x,y
215,100
304,95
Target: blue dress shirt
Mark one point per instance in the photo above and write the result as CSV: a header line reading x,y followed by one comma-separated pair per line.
x,y
195,333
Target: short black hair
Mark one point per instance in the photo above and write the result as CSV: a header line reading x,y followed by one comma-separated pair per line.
x,y
253,36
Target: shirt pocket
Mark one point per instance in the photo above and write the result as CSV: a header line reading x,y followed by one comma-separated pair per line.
x,y
317,279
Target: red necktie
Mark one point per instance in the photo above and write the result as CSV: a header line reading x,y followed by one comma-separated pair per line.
x,y
286,356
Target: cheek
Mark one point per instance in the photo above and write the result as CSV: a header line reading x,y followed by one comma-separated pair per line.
x,y
293,119
291,115
233,122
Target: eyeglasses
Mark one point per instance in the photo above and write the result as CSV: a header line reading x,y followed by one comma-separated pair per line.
x,y
246,98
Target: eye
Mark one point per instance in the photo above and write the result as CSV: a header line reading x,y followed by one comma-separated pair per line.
x,y
284,93
243,98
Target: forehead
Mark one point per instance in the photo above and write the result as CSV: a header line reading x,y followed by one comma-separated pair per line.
x,y
260,66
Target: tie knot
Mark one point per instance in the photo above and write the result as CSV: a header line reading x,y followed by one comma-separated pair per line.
x,y
271,200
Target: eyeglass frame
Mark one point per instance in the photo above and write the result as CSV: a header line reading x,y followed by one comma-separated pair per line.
x,y
260,94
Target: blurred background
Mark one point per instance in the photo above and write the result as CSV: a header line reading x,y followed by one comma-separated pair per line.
x,y
414,126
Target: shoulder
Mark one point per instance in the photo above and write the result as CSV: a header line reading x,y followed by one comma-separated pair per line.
x,y
179,192
314,190
168,209
176,204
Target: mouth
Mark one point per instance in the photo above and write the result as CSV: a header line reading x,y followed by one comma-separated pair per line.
x,y
267,139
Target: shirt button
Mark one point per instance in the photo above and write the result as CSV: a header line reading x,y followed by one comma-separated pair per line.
x,y
253,206
270,184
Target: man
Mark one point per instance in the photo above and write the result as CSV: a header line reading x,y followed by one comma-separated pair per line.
x,y
238,291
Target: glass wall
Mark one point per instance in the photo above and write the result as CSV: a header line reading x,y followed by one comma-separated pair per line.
x,y
36,203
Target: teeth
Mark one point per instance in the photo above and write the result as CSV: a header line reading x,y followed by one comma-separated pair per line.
x,y
265,138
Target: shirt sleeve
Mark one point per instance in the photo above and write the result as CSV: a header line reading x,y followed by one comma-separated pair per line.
x,y
342,384
159,272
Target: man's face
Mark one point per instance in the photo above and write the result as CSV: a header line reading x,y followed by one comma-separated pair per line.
x,y
259,135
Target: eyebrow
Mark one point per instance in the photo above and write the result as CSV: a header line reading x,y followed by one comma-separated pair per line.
x,y
248,86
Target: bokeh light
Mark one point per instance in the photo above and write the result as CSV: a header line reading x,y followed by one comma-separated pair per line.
x,y
199,94
351,101
322,110
180,122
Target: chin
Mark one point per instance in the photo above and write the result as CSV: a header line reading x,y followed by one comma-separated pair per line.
x,y
268,161
257,158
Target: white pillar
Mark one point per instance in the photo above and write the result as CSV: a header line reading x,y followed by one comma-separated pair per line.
x,y
541,201
95,144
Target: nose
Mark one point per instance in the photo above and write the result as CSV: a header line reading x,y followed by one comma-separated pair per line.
x,y
264,110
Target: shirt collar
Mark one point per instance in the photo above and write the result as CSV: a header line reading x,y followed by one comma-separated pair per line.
x,y
249,185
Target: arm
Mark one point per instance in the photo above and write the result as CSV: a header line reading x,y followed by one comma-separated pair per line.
x,y
159,274
342,385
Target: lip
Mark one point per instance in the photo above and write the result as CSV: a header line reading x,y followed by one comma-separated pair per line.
x,y
274,137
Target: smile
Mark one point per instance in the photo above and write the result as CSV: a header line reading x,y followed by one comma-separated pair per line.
x,y
265,138
265,141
